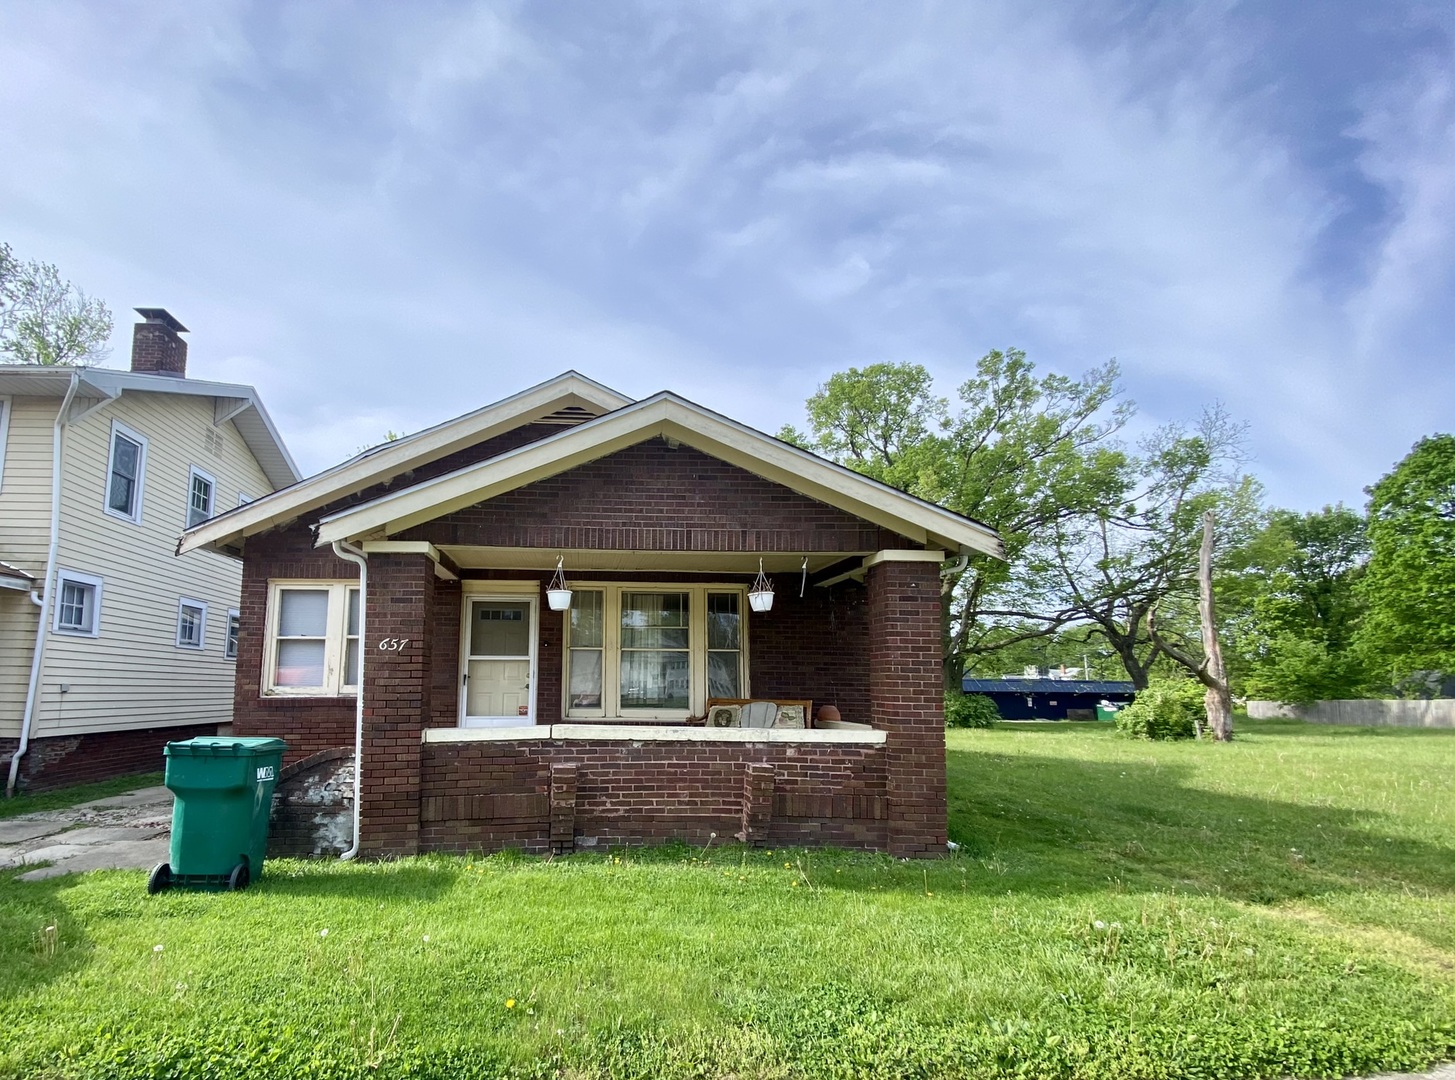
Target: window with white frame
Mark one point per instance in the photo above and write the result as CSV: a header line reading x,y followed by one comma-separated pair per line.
x,y
312,638
4,435
191,624
661,651
125,472
78,604
229,639
201,489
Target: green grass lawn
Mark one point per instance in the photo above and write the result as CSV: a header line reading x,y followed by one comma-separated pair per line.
x,y
1281,906
25,802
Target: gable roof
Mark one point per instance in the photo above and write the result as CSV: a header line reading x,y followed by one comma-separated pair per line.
x,y
566,400
677,419
98,386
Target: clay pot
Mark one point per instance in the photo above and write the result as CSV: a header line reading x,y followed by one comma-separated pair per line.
x,y
828,712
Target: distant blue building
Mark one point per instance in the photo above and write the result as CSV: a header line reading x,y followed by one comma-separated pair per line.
x,y
1050,699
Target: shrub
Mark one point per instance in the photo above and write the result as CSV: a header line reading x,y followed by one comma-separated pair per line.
x,y
969,710
1165,710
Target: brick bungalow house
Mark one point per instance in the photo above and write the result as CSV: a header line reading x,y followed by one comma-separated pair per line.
x,y
398,602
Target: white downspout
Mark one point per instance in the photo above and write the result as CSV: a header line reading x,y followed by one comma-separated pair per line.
x,y
44,601
344,550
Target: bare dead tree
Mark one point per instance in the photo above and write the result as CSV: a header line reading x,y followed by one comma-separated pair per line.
x,y
1209,670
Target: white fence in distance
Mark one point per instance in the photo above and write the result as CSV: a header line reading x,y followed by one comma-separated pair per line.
x,y
1365,712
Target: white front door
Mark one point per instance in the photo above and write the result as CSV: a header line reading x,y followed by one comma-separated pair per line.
x,y
499,645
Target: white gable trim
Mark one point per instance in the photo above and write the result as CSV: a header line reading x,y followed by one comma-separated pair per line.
x,y
382,463
670,417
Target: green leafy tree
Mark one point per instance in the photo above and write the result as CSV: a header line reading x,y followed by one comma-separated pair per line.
x,y
1409,587
1129,568
1293,606
1022,452
46,320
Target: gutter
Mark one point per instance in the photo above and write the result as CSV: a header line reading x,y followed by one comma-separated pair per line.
x,y
44,602
344,550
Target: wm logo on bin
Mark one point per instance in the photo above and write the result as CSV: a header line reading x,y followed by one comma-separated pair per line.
x,y
265,773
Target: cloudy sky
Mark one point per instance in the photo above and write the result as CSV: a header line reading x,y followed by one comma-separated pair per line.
x,y
382,215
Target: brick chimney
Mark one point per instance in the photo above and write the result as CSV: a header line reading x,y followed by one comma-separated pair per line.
x,y
156,347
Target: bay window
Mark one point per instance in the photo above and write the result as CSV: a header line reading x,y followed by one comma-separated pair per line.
x,y
653,651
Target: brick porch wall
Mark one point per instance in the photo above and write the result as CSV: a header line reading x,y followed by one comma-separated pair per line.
x,y
398,693
906,692
487,796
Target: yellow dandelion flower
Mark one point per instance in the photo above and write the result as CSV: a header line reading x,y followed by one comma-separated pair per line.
x,y
510,1003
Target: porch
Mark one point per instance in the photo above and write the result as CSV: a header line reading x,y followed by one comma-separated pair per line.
x,y
587,727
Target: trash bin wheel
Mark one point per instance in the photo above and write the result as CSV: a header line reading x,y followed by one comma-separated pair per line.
x,y
160,879
239,877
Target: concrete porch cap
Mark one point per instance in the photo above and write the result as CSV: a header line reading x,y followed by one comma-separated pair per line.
x,y
651,733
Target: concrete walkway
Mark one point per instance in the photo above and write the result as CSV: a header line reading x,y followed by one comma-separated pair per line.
x,y
123,832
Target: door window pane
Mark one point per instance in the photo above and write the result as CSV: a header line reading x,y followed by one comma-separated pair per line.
x,y
500,628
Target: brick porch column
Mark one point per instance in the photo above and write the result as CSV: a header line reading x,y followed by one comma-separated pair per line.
x,y
396,700
906,699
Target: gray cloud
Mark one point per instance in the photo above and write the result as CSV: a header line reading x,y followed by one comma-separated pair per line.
x,y
384,216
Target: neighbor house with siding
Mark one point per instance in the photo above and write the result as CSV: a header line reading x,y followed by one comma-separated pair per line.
x,y
110,645
399,628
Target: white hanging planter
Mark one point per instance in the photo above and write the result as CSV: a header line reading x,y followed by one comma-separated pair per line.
x,y
557,595
760,596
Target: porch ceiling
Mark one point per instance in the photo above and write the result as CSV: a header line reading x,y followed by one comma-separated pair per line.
x,y
582,561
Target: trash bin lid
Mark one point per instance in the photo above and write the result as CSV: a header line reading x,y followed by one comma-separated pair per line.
x,y
224,746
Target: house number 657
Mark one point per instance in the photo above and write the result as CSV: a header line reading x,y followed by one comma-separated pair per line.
x,y
393,644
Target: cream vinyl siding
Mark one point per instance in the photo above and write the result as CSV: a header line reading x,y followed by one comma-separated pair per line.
x,y
25,506
134,675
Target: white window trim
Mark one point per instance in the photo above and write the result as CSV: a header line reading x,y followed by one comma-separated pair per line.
x,y
4,435
229,649
201,643
243,498
611,648
193,472
118,428
335,640
96,584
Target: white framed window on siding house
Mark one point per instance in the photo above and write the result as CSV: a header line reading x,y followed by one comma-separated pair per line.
x,y
191,624
229,637
78,604
125,473
312,638
653,651
201,495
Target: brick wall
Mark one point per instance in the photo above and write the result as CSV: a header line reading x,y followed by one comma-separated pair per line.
x,y
650,497
906,695
307,724
61,760
398,695
813,647
486,796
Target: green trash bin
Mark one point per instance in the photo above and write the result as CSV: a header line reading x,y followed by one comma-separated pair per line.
x,y
223,790
1107,711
